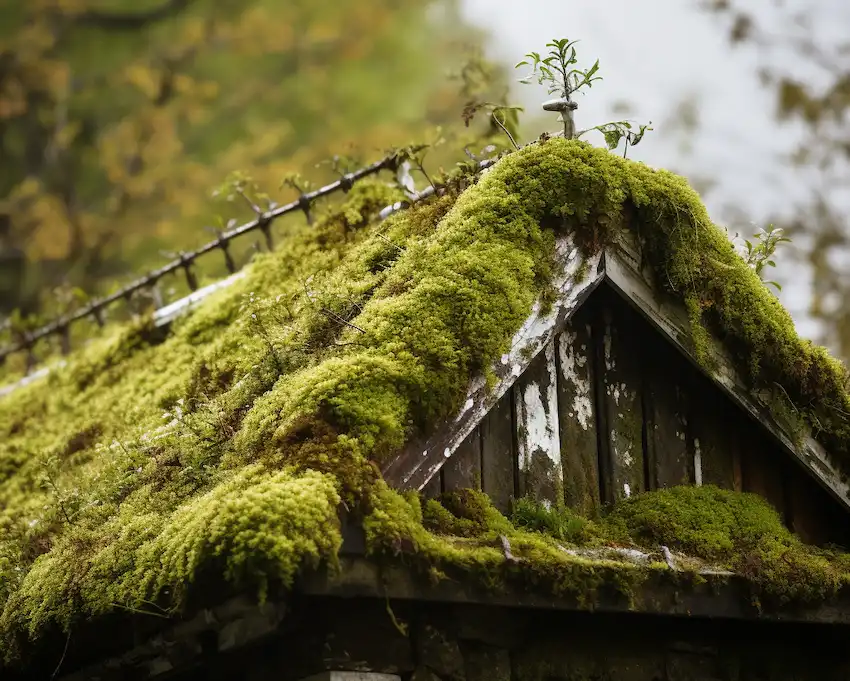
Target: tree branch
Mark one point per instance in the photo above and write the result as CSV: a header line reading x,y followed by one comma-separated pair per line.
x,y
128,21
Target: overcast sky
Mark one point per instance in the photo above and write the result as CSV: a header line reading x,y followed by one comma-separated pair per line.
x,y
655,59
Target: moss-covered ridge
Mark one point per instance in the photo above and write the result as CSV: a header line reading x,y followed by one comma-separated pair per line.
x,y
327,356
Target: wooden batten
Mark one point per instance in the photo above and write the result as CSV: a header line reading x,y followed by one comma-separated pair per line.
x,y
577,416
621,404
498,458
538,439
463,469
672,456
717,450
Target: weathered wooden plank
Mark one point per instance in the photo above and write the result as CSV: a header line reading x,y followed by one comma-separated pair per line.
x,y
538,442
433,488
670,449
577,416
624,273
763,469
807,519
621,400
463,469
424,457
815,517
713,426
498,459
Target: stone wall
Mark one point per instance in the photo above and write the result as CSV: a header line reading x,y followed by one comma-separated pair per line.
x,y
417,642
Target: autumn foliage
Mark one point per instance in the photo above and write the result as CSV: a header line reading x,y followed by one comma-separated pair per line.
x,y
118,118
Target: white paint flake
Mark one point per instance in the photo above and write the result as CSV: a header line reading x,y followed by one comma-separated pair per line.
x,y
627,490
554,449
538,411
466,407
537,431
697,463
582,406
447,452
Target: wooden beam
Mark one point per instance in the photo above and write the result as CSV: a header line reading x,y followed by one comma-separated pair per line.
x,y
498,463
538,439
622,402
716,595
577,417
463,469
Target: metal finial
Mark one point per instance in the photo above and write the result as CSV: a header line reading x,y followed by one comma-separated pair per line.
x,y
565,106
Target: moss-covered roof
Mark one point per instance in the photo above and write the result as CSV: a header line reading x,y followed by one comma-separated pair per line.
x,y
233,439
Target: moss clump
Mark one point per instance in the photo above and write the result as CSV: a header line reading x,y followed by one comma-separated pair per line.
x,y
463,513
741,531
463,538
322,361
136,557
559,522
732,530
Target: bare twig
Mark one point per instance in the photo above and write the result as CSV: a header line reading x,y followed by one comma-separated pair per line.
x,y
62,659
394,245
668,558
506,549
341,320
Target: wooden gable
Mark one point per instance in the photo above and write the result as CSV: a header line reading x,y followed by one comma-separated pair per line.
x,y
601,399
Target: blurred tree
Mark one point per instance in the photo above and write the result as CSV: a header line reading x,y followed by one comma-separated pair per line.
x,y
812,88
117,117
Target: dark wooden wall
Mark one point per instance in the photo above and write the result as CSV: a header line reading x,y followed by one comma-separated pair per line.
x,y
611,409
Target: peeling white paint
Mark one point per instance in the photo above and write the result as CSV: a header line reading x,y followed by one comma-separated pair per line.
x,y
537,409
538,434
447,452
582,406
425,452
466,407
554,450
625,456
697,463
627,490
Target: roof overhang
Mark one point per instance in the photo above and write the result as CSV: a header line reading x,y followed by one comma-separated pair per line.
x,y
238,623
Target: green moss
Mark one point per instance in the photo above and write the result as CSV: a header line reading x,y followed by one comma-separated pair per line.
x,y
560,523
738,530
461,534
462,538
350,339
